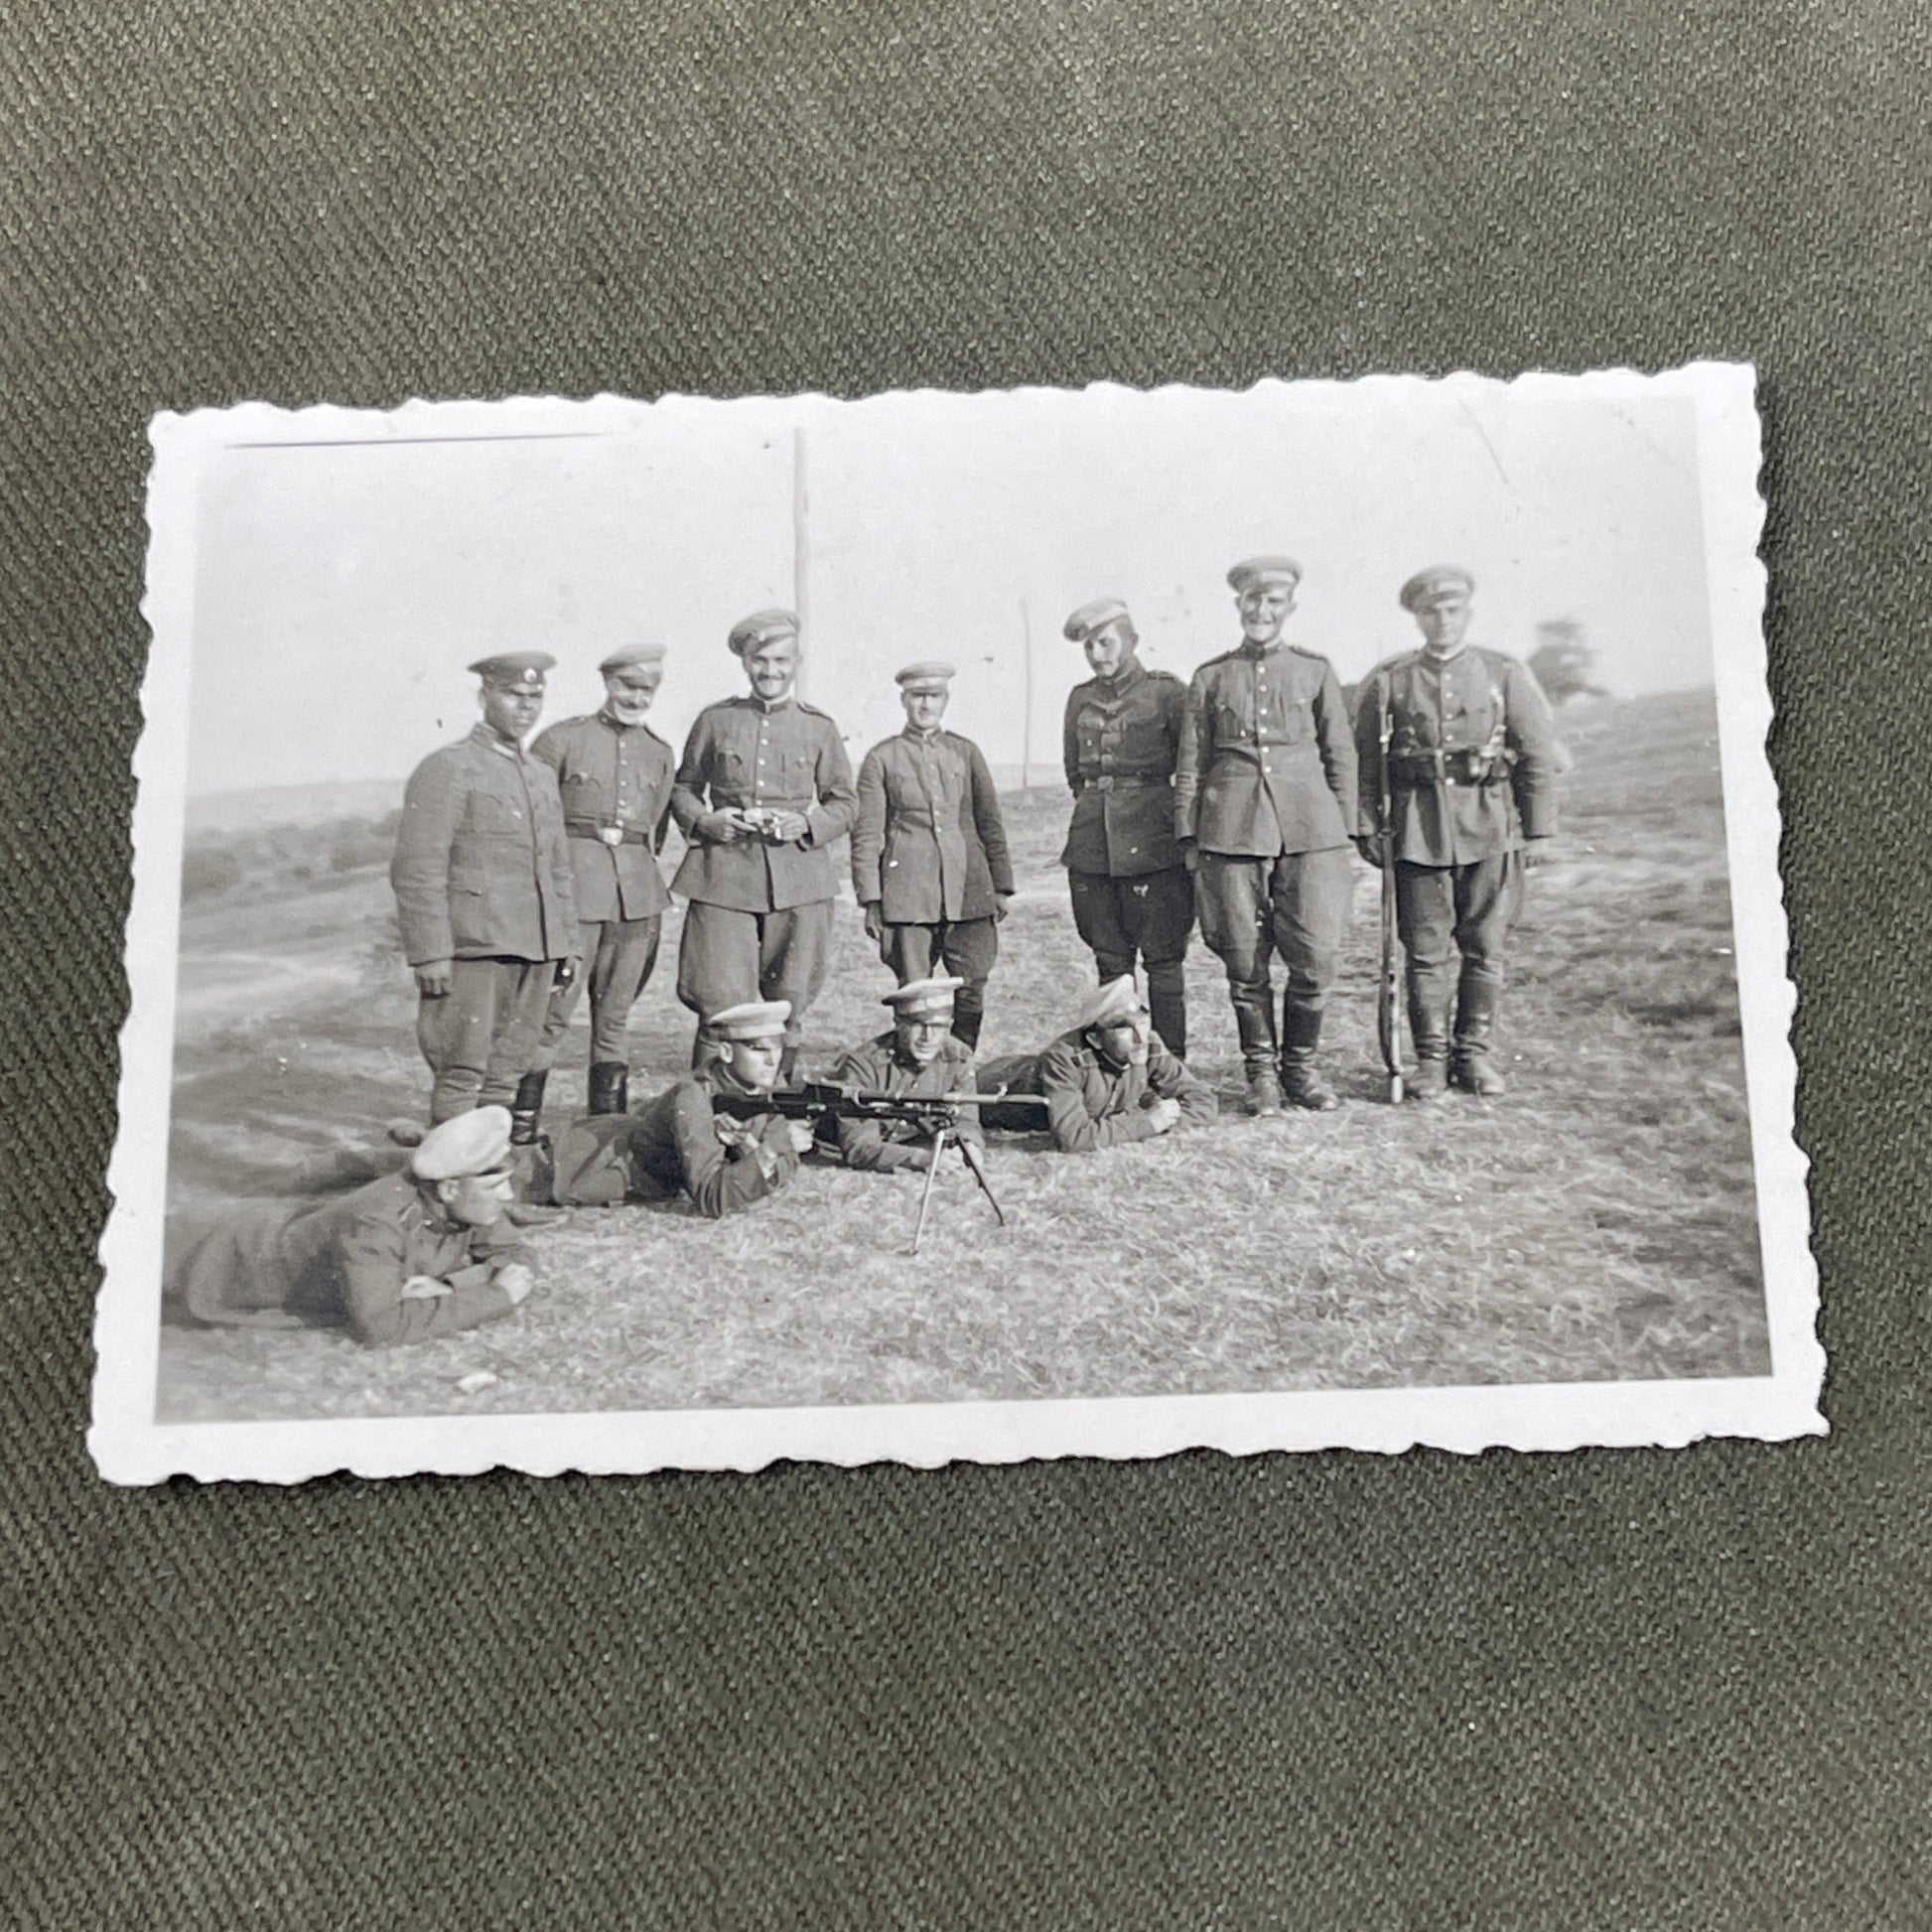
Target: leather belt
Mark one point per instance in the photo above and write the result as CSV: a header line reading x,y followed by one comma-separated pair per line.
x,y
1126,781
590,828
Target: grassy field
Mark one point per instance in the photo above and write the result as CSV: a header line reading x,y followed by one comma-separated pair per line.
x,y
1596,1224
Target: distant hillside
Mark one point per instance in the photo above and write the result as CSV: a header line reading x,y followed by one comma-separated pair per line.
x,y
266,805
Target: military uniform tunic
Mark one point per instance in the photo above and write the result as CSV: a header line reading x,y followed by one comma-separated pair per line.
x,y
614,780
483,879
1090,1102
882,1147
674,1145
930,849
1265,786
344,1262
1133,899
1472,751
759,924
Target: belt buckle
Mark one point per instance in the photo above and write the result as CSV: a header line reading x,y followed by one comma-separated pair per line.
x,y
1105,782
611,834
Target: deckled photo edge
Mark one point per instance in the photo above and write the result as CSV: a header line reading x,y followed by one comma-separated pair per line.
x,y
129,1447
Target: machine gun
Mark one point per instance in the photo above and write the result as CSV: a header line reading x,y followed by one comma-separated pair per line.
x,y
822,1103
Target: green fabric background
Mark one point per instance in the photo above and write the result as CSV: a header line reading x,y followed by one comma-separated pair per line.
x,y
1596,1690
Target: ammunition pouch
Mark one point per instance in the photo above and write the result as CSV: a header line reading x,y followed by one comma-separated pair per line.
x,y
1470,765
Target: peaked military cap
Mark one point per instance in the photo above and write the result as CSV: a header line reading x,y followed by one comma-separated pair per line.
x,y
759,629
753,1020
475,1143
1118,999
1438,580
628,655
1264,570
1089,617
515,670
919,998
929,670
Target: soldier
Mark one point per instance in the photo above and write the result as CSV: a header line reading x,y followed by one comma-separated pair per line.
x,y
677,1145
1107,1083
411,1256
764,791
1132,894
484,899
920,1054
615,776
1264,799
929,849
1472,768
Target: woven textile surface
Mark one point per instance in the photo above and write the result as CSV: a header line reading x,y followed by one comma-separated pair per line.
x,y
1621,1690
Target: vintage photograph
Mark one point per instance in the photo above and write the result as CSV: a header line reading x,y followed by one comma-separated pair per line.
x,y
690,932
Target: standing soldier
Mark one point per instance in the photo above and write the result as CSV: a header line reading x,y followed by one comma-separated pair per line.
x,y
1132,894
764,791
929,849
1471,749
484,897
1264,799
615,776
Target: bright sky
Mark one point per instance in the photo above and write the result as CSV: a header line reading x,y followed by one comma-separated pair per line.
x,y
341,588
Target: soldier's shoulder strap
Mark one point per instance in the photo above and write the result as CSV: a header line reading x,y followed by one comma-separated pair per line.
x,y
1390,665
1163,677
812,711
1317,656
1207,664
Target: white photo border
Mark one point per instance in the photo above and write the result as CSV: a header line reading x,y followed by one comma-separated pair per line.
x,y
130,1447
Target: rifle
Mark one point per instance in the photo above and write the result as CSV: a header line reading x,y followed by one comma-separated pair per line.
x,y
1388,991
823,1102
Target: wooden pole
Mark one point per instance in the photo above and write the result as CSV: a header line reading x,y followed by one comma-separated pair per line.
x,y
1027,716
800,556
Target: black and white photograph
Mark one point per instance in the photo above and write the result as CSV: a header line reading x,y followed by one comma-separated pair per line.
x,y
933,926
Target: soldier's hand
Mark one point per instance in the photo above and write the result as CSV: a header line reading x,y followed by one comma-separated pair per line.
x,y
876,921
1002,905
1165,1115
799,1133
424,1288
568,969
433,978
516,1280
1370,847
784,827
1191,855
1539,852
724,827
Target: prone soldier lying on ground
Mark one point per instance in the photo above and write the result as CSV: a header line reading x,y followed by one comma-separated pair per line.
x,y
918,1057
679,1144
1107,1083
411,1256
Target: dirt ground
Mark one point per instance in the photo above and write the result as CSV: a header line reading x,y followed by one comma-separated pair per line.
x,y
1596,1224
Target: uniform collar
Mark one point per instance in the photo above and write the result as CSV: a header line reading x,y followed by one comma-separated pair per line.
x,y
1122,682
1428,656
508,748
757,702
604,717
918,737
1249,648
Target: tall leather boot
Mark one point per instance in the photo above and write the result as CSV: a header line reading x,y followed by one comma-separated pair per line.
x,y
966,1024
530,1165
526,1110
1302,1084
1428,1029
1255,1026
1166,1003
609,1087
1473,1069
